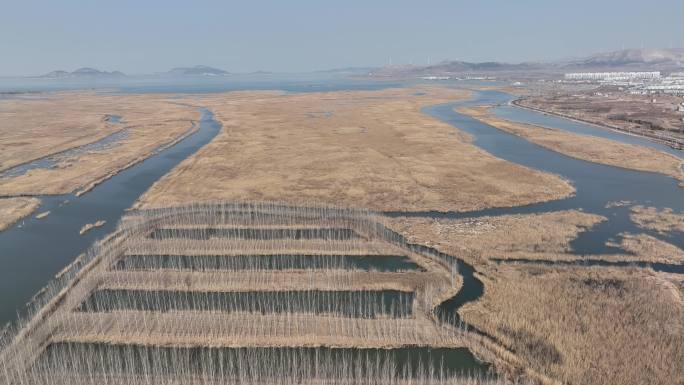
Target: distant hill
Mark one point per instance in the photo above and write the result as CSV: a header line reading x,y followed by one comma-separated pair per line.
x,y
349,70
657,59
85,72
463,66
629,60
198,70
454,68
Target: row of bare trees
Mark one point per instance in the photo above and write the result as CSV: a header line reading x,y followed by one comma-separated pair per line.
x,y
181,262
355,304
205,315
114,364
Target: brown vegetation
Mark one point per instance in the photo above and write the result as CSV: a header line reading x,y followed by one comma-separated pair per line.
x,y
372,149
573,324
654,117
536,236
33,128
543,237
586,147
662,221
43,215
89,226
13,209
595,326
650,249
230,330
182,312
325,279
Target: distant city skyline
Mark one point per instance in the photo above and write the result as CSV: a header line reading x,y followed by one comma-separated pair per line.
x,y
37,37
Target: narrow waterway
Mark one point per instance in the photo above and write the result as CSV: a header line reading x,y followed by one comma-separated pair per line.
x,y
34,250
522,115
597,185
52,161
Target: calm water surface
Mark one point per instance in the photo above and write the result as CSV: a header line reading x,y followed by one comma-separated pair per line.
x,y
36,251
521,115
33,250
597,185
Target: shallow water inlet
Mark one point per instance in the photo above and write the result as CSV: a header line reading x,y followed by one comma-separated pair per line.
x,y
266,262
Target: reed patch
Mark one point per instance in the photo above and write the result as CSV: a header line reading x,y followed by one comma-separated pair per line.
x,y
247,293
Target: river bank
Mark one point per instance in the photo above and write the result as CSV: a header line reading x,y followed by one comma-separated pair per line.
x,y
13,210
590,148
366,149
677,144
34,253
518,305
80,139
588,223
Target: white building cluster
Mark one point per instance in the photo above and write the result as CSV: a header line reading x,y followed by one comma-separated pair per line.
x,y
612,76
641,83
673,85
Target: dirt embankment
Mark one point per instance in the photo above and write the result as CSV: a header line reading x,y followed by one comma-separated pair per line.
x,y
585,147
658,118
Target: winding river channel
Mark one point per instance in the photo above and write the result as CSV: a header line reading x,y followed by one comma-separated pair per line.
x,y
596,185
34,250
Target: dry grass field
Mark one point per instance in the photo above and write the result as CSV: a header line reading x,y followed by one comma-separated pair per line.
x,y
184,287
45,125
539,236
648,248
662,221
590,148
372,149
13,209
610,107
586,326
577,325
544,237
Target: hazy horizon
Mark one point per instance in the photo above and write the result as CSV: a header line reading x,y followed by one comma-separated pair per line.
x,y
305,36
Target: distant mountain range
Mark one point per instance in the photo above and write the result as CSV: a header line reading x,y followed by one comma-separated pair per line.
x,y
665,60
85,72
348,70
651,58
631,59
198,70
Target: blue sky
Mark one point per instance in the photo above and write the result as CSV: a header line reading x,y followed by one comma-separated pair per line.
x,y
289,36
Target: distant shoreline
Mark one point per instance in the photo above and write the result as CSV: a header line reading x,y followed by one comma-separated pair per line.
x,y
676,144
